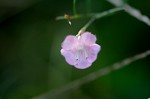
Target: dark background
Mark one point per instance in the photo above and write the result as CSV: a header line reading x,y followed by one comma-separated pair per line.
x,y
30,43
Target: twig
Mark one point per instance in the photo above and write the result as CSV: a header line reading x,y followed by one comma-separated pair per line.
x,y
92,76
131,11
98,15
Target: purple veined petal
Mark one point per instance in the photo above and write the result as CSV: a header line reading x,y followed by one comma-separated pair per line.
x,y
82,64
81,59
92,52
88,38
69,56
70,42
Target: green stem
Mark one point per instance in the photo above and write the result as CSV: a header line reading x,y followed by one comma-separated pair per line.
x,y
131,11
88,6
93,17
74,8
97,16
83,29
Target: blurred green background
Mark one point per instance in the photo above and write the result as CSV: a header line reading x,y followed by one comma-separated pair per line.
x,y
30,43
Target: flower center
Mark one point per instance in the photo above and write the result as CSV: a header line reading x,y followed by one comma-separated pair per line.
x,y
80,54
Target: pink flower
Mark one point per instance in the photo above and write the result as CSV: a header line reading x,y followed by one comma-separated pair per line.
x,y
80,51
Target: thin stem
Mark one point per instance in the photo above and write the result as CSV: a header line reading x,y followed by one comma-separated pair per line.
x,y
97,16
93,18
131,11
74,8
71,17
137,14
88,6
83,29
93,76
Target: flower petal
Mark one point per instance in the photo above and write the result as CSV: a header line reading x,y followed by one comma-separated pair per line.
x,y
69,42
82,64
88,38
69,56
81,59
92,52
